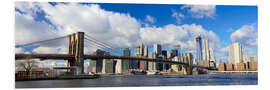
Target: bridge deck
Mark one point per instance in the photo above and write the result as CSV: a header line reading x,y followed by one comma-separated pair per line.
x,y
95,57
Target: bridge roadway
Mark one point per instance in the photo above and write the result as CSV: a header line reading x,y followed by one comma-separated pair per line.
x,y
95,57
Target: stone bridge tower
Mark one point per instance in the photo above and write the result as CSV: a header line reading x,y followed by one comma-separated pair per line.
x,y
76,48
187,58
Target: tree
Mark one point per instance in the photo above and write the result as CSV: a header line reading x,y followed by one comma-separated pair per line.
x,y
27,64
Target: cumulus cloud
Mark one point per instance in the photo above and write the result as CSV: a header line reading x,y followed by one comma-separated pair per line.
x,y
104,25
201,11
183,35
118,29
247,35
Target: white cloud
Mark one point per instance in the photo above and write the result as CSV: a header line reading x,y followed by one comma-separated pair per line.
x,y
201,11
150,19
178,16
104,25
247,35
183,35
116,29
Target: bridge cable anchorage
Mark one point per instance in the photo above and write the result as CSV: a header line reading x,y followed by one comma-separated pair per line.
x,y
27,44
98,40
100,46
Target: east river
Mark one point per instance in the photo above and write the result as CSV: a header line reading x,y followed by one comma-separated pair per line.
x,y
144,80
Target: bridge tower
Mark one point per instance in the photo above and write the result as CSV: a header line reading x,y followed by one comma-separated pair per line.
x,y
187,58
76,48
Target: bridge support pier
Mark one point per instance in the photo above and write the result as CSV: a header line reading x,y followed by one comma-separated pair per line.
x,y
76,48
187,69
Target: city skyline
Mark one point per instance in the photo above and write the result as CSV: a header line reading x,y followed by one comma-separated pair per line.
x,y
139,23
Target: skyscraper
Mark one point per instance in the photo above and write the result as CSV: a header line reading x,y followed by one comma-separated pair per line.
x,y
143,64
164,53
199,48
235,53
246,58
212,58
152,65
174,52
134,63
157,49
126,63
96,65
205,49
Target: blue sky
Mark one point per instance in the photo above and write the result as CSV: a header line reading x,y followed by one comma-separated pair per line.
x,y
228,18
126,25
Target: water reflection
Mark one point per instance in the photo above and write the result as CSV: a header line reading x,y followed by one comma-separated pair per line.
x,y
142,80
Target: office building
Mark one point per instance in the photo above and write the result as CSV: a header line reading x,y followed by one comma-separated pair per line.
x,y
235,53
175,67
118,66
174,52
126,63
205,50
199,48
152,65
212,58
157,49
246,58
95,66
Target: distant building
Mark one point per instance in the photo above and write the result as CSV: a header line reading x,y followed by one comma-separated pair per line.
x,y
205,50
157,49
199,48
235,53
212,58
95,66
164,53
174,52
118,66
246,58
167,65
152,65
138,53
126,63
253,58
175,67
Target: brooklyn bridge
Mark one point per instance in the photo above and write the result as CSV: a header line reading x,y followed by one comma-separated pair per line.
x,y
76,56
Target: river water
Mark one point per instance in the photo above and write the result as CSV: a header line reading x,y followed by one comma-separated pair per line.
x,y
144,80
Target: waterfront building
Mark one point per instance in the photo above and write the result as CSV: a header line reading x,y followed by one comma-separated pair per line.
x,y
246,58
212,58
107,65
235,53
138,53
175,67
95,66
118,66
152,65
126,63
199,48
253,58
205,51
167,66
